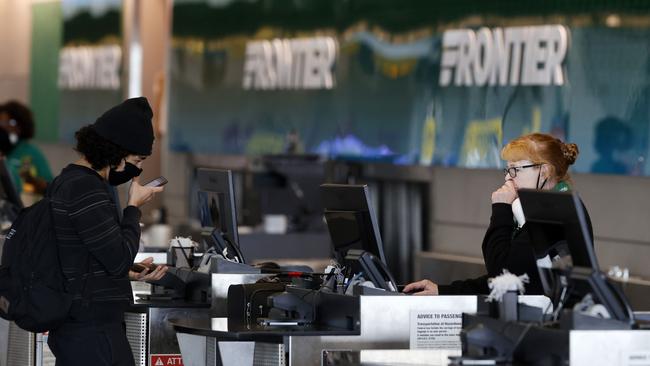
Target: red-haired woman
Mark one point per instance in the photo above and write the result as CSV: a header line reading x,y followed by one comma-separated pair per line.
x,y
534,161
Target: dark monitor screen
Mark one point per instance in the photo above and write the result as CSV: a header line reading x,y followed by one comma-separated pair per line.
x,y
351,220
8,191
211,205
216,202
289,185
558,218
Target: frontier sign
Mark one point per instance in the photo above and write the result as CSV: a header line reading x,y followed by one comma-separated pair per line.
x,y
90,67
301,63
504,56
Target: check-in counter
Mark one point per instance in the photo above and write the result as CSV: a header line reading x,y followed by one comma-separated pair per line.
x,y
384,323
149,332
384,357
17,346
609,347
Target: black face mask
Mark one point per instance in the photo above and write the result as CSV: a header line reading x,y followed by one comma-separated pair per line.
x,y
6,146
130,171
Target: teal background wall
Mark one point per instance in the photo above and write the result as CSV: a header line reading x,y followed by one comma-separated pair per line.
x,y
387,104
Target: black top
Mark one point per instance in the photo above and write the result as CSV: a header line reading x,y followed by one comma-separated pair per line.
x,y
88,227
504,247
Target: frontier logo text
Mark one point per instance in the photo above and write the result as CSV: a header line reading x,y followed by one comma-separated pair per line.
x,y
302,63
504,56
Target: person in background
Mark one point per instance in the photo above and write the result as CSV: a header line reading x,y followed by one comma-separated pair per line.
x,y
534,161
26,162
614,138
94,241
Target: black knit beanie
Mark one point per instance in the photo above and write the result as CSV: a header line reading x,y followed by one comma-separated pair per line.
x,y
128,125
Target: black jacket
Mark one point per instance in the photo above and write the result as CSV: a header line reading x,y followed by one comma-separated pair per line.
x,y
504,247
88,228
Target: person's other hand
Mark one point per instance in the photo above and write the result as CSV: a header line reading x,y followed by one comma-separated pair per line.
x,y
155,275
506,194
424,287
139,194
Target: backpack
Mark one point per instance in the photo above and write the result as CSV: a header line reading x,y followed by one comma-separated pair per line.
x,y
33,290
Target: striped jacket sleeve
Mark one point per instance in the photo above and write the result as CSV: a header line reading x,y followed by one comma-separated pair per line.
x,y
113,244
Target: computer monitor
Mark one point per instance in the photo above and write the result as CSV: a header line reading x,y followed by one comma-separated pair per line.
x,y
8,191
558,220
351,220
217,211
288,185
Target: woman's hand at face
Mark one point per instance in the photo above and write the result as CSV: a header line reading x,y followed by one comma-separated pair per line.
x,y
506,194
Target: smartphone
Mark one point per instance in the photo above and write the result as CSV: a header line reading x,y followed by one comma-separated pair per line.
x,y
158,182
139,267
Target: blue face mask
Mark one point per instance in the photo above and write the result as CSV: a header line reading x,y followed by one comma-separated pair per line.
x,y
130,171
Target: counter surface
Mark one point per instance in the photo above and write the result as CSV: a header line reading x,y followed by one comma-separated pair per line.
x,y
220,329
144,304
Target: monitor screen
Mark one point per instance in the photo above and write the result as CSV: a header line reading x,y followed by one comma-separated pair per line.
x,y
289,185
210,207
351,220
216,202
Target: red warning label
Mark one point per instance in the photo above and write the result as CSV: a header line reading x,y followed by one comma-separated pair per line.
x,y
166,360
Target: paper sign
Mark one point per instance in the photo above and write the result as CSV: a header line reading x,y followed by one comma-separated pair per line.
x,y
435,329
166,360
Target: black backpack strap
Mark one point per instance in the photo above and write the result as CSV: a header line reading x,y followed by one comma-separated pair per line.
x,y
51,188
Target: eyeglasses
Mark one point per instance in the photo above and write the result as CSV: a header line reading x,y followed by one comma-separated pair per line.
x,y
512,171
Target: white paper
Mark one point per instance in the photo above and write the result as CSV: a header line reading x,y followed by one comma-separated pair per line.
x,y
435,329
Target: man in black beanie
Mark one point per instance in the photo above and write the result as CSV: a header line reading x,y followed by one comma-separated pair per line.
x,y
94,241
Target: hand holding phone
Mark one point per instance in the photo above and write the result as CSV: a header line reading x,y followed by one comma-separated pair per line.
x,y
147,271
139,267
158,182
140,194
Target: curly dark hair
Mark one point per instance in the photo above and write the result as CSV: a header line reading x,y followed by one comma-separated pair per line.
x,y
98,151
23,117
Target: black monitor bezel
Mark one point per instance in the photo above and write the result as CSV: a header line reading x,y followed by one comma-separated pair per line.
x,y
567,209
353,198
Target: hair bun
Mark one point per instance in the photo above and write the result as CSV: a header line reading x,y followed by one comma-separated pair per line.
x,y
570,152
